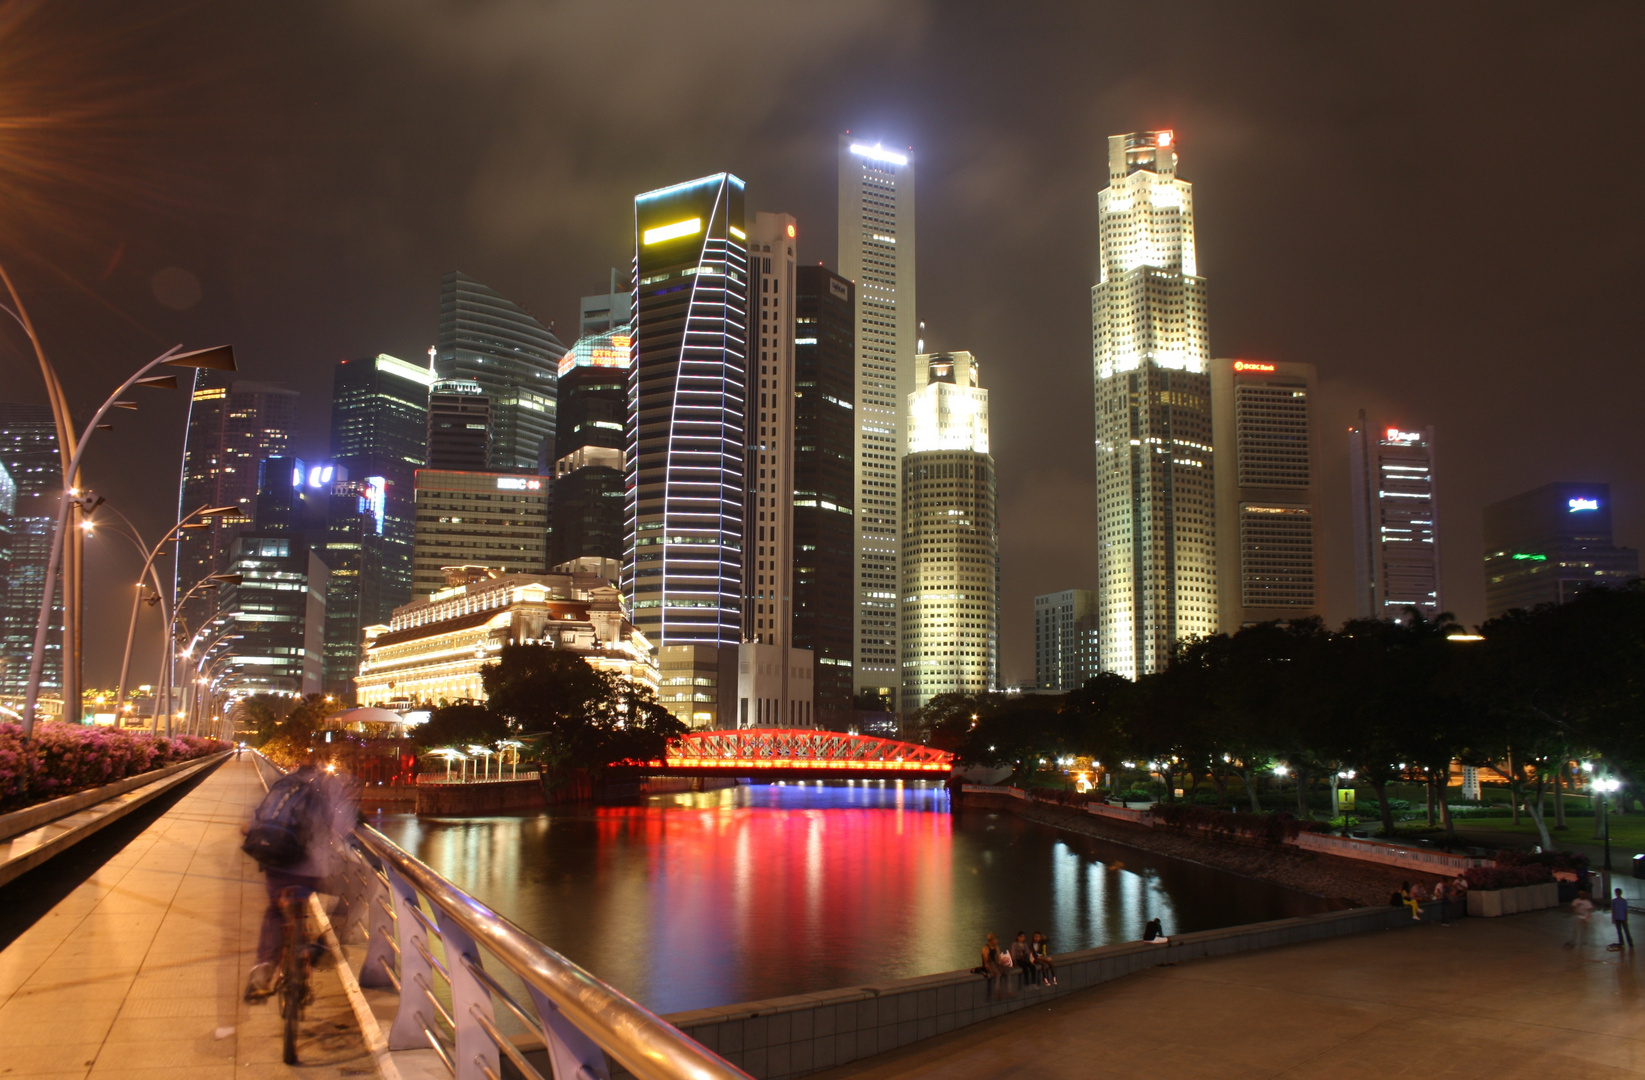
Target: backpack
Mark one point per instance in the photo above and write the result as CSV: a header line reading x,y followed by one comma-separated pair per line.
x,y
1005,958
281,826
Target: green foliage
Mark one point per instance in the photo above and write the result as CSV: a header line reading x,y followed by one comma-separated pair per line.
x,y
296,735
573,716
461,725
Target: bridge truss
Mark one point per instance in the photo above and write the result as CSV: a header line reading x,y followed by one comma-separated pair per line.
x,y
802,749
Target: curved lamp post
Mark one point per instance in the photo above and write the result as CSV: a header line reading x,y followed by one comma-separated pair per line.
x,y
168,657
220,358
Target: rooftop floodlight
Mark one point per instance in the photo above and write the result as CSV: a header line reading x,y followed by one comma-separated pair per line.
x,y
220,358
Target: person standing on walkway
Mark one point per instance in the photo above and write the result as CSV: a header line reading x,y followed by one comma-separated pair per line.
x,y
1619,919
295,835
1581,908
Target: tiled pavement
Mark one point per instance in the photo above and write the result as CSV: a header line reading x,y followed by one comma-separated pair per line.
x,y
138,973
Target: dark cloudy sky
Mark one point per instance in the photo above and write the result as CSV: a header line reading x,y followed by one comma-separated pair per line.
x,y
1439,205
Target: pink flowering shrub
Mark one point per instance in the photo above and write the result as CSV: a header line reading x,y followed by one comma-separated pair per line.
x,y
64,758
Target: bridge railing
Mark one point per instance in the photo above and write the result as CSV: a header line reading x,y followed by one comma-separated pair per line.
x,y
427,939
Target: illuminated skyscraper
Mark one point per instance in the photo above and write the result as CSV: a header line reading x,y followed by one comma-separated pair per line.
x,y
588,500
1156,548
495,520
951,537
876,236
379,427
28,453
687,441
513,360
825,389
1268,540
769,575
232,427
1396,524
1547,545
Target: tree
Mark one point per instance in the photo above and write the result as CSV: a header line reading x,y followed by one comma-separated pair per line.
x,y
574,716
461,724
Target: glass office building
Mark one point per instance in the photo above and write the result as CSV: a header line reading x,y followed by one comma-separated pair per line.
x,y
1547,545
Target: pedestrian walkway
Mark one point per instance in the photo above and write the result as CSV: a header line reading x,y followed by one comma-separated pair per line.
x,y
1487,998
138,973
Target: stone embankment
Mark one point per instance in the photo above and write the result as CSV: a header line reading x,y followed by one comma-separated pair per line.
x,y
1345,882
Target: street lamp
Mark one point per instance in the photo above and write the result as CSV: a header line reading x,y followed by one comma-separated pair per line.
x,y
1605,785
220,358
211,581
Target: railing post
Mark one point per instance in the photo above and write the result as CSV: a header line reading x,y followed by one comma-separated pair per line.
x,y
475,1056
413,1013
572,1054
379,921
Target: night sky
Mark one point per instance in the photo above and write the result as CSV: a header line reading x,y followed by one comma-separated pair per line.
x,y
1439,205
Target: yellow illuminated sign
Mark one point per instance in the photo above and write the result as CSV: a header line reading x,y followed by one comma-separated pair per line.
x,y
689,227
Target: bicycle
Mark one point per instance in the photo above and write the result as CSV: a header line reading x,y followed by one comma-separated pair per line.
x,y
296,962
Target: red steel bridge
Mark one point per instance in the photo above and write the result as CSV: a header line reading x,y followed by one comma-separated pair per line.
x,y
800,753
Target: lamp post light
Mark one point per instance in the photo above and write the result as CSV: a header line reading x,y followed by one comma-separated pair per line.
x,y
168,657
220,358
1605,785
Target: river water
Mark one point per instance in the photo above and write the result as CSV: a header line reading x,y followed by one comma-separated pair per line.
x,y
693,900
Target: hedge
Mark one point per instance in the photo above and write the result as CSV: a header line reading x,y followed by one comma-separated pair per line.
x,y
64,758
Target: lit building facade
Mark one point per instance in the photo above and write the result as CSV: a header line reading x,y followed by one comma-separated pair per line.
x,y
433,650
589,502
824,548
459,426
513,359
951,540
1396,521
278,615
1156,544
1266,444
1065,639
29,455
379,427
1547,545
687,440
494,520
876,249
232,427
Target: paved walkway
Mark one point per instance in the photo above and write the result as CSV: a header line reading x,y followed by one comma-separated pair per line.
x,y
1488,998
138,973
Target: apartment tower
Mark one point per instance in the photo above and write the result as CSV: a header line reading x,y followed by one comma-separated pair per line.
x,y
876,239
1156,548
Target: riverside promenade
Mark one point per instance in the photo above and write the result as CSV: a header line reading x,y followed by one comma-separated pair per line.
x,y
138,973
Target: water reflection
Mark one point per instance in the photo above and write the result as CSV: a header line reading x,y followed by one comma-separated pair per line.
x,y
685,901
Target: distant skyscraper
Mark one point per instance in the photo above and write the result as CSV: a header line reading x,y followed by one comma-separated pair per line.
x,y
490,342
687,408
876,237
28,453
232,427
602,314
588,500
278,612
1065,639
1396,523
768,577
459,426
1547,545
495,520
1156,565
379,427
824,549
951,538
1268,491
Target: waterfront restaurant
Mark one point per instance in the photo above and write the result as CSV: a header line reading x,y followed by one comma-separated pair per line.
x,y
433,649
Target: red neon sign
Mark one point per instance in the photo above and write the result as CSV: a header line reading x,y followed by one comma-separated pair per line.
x,y
1252,365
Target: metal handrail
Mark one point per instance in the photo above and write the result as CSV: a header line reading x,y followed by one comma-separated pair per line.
x,y
642,1042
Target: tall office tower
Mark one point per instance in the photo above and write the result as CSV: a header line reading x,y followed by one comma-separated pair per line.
x,y
602,314
684,463
1547,545
1396,524
1156,549
379,427
951,537
877,253
278,613
824,550
490,342
356,550
589,509
1268,490
495,520
232,426
459,426
1065,639
28,453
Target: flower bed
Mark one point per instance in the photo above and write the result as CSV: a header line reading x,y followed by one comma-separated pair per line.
x,y
64,758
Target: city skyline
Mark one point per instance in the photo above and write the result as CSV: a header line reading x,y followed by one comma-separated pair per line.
x,y
976,241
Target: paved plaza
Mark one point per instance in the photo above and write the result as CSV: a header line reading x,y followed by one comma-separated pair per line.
x,y
1487,998
138,974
